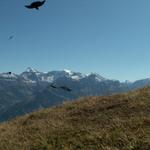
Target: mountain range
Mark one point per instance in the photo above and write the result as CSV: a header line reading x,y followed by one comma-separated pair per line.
x,y
32,90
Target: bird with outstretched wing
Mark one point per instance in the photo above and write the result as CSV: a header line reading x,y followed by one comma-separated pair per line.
x,y
35,5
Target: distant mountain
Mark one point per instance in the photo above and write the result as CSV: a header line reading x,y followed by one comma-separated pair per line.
x,y
33,75
32,90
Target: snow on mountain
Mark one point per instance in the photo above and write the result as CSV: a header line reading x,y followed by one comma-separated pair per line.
x,y
31,75
34,75
68,71
29,69
8,75
78,76
96,77
54,75
74,75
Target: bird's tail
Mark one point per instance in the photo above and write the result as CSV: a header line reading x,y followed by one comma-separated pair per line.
x,y
28,6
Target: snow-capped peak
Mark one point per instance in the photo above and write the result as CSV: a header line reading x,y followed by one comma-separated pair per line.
x,y
74,75
29,69
31,75
36,76
68,71
96,76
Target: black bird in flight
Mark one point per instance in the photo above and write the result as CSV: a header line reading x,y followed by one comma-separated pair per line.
x,y
35,4
65,88
61,87
9,73
11,37
53,86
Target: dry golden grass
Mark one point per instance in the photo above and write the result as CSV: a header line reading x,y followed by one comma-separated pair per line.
x,y
117,122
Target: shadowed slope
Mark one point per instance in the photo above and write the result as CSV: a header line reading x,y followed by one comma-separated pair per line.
x,y
118,122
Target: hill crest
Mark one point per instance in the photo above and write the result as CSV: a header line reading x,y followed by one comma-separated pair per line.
x,y
120,121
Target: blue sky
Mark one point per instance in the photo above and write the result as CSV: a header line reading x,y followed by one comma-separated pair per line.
x,y
110,37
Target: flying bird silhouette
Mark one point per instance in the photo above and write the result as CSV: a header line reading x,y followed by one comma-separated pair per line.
x,y
35,4
65,88
61,87
9,73
53,86
11,37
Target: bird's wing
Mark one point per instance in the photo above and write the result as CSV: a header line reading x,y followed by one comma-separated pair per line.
x,y
65,88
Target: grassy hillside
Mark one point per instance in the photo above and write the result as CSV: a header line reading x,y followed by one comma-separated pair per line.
x,y
118,122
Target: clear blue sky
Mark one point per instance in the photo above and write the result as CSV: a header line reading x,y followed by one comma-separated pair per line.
x,y
110,37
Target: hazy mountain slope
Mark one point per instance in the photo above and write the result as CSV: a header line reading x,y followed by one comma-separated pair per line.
x,y
31,90
12,92
43,99
118,122
50,97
